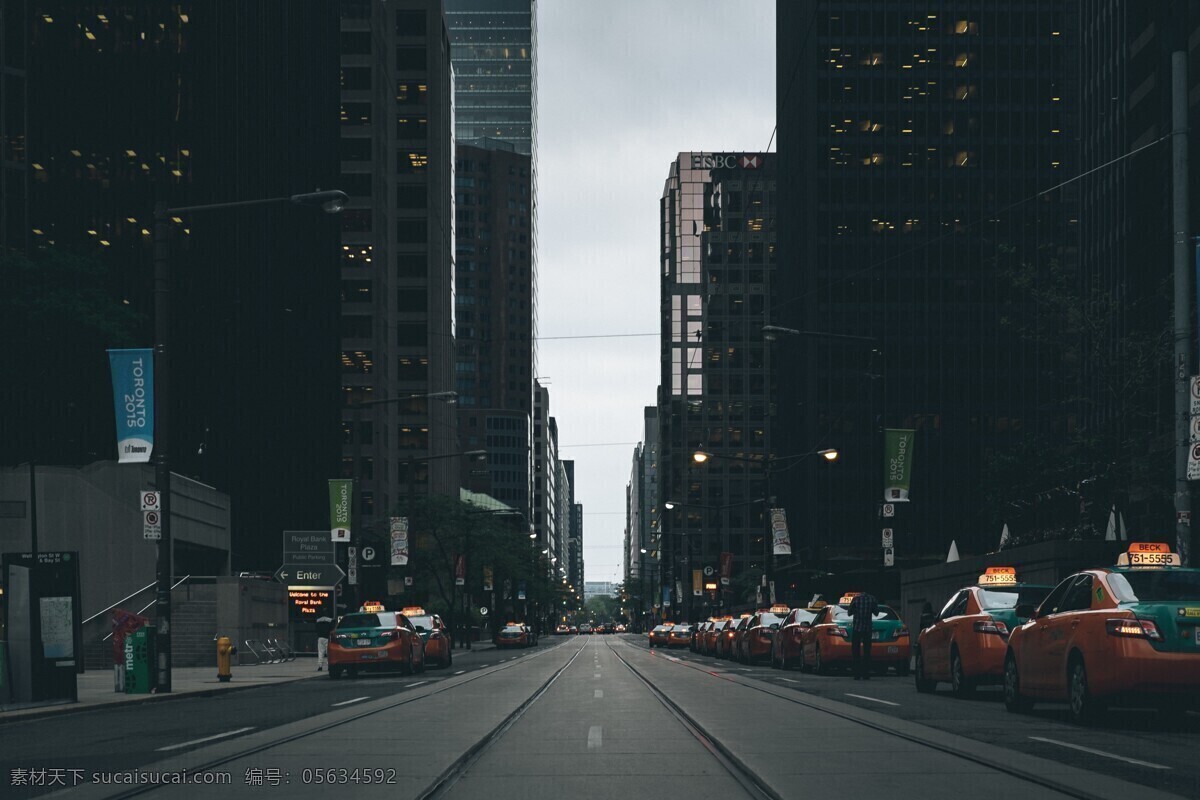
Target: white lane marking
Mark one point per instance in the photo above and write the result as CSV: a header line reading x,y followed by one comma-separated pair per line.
x,y
789,680
1099,753
483,665
599,693
410,685
872,699
460,672
597,675
595,737
348,702
672,658
205,739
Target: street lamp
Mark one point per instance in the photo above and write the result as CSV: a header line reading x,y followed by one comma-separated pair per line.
x,y
329,201
700,457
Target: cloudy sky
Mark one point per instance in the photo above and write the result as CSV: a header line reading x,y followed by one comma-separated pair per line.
x,y
624,86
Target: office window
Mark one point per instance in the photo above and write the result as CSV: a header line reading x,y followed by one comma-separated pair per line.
x,y
410,195
356,43
412,300
412,369
356,78
356,326
410,265
410,23
411,231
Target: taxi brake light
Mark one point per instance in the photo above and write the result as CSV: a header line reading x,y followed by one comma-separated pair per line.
x,y
991,626
836,631
1137,628
902,632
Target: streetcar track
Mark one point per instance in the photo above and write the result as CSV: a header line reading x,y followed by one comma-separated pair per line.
x,y
1046,783
737,769
437,688
451,775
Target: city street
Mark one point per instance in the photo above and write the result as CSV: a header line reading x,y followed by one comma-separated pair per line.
x,y
602,716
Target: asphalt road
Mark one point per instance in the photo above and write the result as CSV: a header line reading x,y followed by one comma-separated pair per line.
x,y
603,717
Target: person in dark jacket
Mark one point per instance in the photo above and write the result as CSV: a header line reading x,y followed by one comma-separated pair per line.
x,y
863,609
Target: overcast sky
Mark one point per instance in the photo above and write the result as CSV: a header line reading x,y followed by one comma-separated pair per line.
x,y
624,86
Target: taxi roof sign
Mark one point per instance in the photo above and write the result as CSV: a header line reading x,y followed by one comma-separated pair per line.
x,y
413,611
372,605
780,608
1149,554
847,597
998,576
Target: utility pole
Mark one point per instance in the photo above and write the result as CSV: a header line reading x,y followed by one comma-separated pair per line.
x,y
1183,309
162,416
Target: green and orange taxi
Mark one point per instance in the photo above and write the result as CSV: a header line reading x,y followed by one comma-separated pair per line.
x,y
965,643
826,642
375,639
433,633
1123,635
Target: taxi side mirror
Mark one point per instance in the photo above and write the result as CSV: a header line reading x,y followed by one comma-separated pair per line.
x,y
926,619
1026,611
806,624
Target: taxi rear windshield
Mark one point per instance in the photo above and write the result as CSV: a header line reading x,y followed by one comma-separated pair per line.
x,y
1147,586
361,621
514,629
996,599
841,614
422,624
767,620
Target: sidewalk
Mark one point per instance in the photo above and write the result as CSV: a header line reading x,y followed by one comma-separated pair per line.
x,y
95,687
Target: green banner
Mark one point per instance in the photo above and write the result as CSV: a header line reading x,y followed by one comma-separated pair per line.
x,y
897,464
340,493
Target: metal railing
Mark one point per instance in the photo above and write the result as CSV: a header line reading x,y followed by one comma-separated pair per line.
x,y
152,602
119,602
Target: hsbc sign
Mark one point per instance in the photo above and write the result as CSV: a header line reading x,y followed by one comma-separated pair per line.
x,y
727,161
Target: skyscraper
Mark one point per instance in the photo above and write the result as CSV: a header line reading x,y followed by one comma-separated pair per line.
x,y
717,260
125,104
397,255
916,172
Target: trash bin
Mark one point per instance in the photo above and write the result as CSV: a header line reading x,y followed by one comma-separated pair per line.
x,y
141,660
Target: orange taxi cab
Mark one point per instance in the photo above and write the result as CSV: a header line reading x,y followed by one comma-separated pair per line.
x,y
826,642
433,633
697,644
374,639
660,635
966,642
728,635
755,643
680,636
785,647
514,634
709,647
1128,634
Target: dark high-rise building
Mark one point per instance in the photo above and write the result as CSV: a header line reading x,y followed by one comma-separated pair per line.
x,y
110,107
494,301
642,511
717,259
494,47
1127,239
494,52
918,144
398,324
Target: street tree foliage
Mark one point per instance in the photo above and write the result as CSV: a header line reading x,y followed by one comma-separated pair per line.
x,y
1101,433
58,314
442,528
604,608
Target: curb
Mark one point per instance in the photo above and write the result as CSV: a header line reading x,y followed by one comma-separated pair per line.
x,y
25,715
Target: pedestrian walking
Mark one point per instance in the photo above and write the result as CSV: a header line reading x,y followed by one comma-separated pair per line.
x,y
863,608
324,627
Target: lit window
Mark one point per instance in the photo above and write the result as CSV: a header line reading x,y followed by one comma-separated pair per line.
x,y
962,60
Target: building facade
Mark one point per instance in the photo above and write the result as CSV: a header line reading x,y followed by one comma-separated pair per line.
x,y
642,542
917,173
494,301
118,106
398,324
717,259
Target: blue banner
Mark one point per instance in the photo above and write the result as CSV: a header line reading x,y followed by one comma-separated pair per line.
x,y
133,394
666,596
